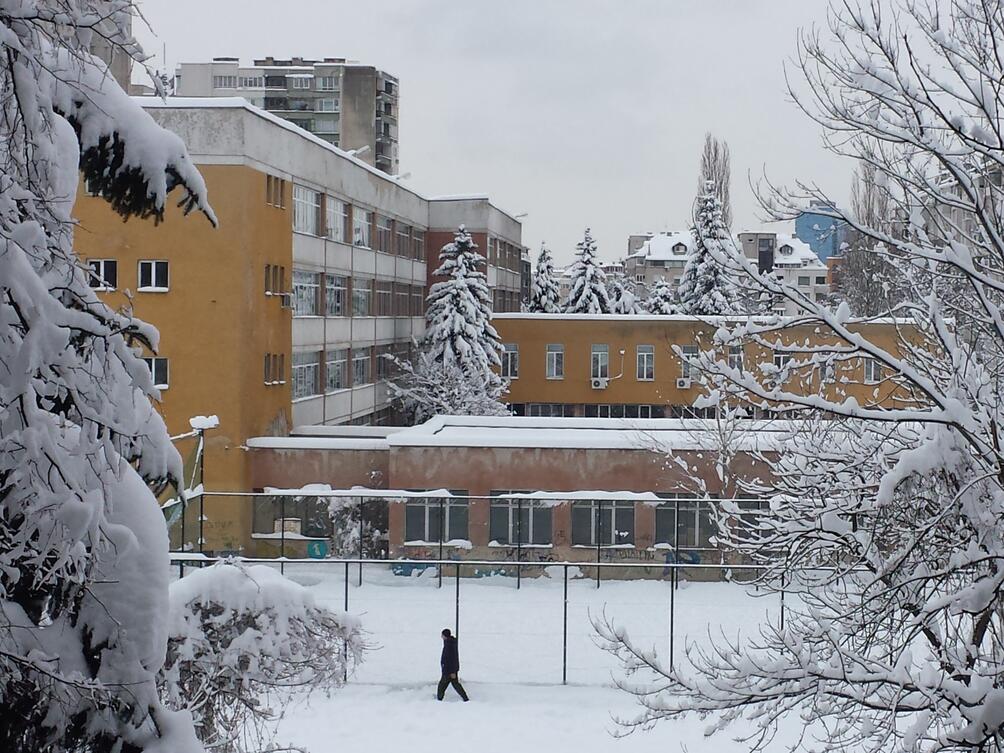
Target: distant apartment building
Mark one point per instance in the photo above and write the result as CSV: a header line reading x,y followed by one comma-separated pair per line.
x,y
353,106
821,232
791,262
282,316
658,256
118,61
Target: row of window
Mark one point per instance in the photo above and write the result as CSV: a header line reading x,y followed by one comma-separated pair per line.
x,y
504,254
316,213
610,410
594,523
259,81
599,362
318,372
152,275
324,294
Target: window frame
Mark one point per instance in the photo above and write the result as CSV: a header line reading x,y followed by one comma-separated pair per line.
x,y
301,297
598,509
336,293
152,362
335,360
302,373
306,210
448,506
153,264
101,277
510,361
554,361
645,363
687,369
599,361
514,508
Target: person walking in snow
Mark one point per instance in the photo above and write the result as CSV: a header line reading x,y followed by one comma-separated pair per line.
x,y
450,664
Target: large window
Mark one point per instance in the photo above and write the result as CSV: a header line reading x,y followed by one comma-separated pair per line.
x,y
104,274
736,357
300,82
384,298
336,370
327,83
336,219
522,521
362,297
546,410
602,523
781,360
326,104
224,82
436,519
159,370
646,363
306,374
873,371
306,210
153,276
599,362
417,301
336,295
555,361
361,372
418,244
306,290
361,220
510,361
385,234
403,247
687,369
694,528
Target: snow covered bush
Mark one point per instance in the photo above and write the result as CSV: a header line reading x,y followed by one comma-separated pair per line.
x,y
705,288
886,517
243,641
83,548
544,296
621,296
588,294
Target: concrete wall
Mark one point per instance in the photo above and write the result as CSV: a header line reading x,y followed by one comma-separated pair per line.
x,y
359,85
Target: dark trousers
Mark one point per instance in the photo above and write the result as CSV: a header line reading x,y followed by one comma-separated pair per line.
x,y
450,679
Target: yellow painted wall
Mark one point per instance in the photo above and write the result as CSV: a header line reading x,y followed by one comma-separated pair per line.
x,y
216,323
533,334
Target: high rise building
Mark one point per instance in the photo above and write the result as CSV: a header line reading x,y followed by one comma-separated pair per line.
x,y
823,233
353,106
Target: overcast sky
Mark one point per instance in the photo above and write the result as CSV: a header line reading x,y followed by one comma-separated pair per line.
x,y
578,112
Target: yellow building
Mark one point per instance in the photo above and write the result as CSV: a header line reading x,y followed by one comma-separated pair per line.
x,y
626,366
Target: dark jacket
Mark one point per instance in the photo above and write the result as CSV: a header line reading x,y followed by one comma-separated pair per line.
x,y
450,660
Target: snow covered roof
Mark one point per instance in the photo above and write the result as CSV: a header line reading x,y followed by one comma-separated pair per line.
x,y
792,250
665,246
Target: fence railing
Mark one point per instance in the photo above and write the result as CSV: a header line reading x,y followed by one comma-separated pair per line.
x,y
494,615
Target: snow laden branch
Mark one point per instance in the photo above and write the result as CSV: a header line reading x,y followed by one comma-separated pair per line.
x,y
243,643
83,550
883,516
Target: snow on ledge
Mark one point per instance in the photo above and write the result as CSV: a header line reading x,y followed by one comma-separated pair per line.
x,y
201,423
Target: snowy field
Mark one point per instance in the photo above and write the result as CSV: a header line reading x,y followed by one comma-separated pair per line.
x,y
511,662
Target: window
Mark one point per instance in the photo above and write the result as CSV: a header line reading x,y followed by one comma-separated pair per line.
x,y
336,219
555,361
326,125
510,361
736,357
545,410
385,234
687,369
252,82
781,360
602,523
326,105
159,370
327,83
417,301
275,368
306,374
403,240
418,244
803,281
381,356
275,191
821,280
646,363
336,295
361,227
599,362
306,288
873,371
104,274
693,529
384,298
514,521
306,210
436,519
362,297
361,373
224,82
336,370
640,277
275,82
153,275
300,82
597,411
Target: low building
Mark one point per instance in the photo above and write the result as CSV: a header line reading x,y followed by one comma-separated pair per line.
x,y
625,366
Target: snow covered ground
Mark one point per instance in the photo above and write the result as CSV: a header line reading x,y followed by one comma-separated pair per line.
x,y
511,662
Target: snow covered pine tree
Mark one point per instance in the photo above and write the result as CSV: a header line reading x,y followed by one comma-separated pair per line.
x,y
83,546
886,519
589,291
453,370
705,288
544,297
662,298
621,296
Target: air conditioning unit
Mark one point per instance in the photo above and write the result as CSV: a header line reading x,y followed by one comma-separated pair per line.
x,y
683,383
599,383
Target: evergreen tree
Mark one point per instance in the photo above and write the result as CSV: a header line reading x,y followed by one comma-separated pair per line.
x,y
621,296
589,293
544,298
459,331
83,546
662,298
705,288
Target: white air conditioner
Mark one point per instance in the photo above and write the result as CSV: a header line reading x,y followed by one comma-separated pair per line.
x,y
683,383
599,383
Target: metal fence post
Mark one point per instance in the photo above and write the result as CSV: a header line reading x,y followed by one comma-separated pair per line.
x,y
564,634
456,606
782,601
519,539
345,648
202,483
361,499
599,538
442,522
282,534
672,613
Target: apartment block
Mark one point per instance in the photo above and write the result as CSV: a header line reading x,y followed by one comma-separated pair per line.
x,y
790,261
349,105
282,316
